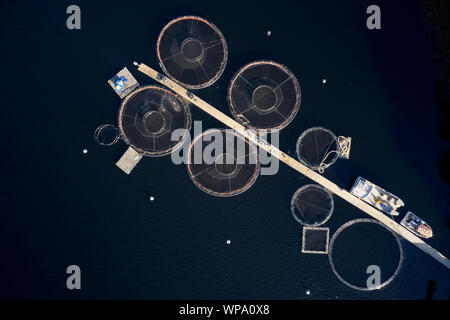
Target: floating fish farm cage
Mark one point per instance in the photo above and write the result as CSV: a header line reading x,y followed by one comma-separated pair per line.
x,y
264,95
312,205
148,117
361,246
192,51
227,172
315,240
107,135
317,148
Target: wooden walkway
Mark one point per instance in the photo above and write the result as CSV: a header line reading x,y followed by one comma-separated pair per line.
x,y
344,194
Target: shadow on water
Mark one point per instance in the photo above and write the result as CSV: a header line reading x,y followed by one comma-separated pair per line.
x,y
431,288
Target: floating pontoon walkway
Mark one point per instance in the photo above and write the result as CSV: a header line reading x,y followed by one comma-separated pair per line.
x,y
344,194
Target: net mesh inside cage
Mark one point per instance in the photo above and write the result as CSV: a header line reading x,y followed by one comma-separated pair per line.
x,y
315,240
149,115
222,163
192,51
312,205
317,148
363,248
106,134
264,95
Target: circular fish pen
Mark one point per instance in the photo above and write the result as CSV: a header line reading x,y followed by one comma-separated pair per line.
x,y
148,117
362,250
192,51
264,95
107,135
221,163
317,148
312,205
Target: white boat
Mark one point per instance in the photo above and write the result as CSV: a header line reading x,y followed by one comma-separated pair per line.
x,y
376,196
416,225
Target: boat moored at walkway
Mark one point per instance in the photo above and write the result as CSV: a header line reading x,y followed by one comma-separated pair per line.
x,y
416,225
376,196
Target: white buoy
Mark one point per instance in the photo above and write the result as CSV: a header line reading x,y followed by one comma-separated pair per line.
x,y
85,151
324,81
308,292
228,241
152,198
269,33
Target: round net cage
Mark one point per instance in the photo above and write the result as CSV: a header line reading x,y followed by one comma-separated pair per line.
x,y
106,135
317,148
264,95
222,163
148,117
192,51
365,255
312,205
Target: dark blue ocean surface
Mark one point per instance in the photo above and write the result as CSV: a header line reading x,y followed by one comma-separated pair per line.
x,y
63,207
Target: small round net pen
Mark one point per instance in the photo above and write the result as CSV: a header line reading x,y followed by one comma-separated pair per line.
x,y
192,51
264,95
107,135
222,163
148,117
318,148
312,205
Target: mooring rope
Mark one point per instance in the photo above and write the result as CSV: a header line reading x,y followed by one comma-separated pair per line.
x,y
343,148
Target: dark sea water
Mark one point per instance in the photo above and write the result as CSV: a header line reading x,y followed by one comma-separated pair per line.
x,y
62,207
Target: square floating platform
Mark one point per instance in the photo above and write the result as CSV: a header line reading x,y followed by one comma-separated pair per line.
x,y
315,240
123,83
129,160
